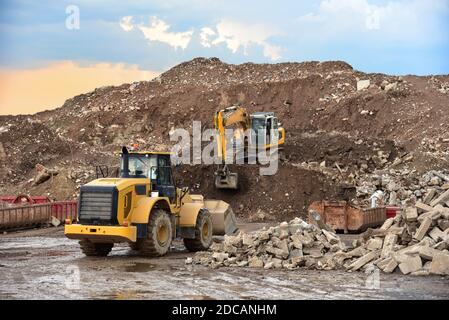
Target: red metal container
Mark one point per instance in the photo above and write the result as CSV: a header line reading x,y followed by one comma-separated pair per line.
x,y
392,211
24,216
25,199
64,210
35,214
340,215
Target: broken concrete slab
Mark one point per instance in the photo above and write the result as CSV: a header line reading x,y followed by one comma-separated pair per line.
x,y
387,224
431,193
390,266
411,214
427,253
55,221
255,262
363,84
423,228
441,199
423,206
374,244
357,264
389,242
437,235
440,264
411,264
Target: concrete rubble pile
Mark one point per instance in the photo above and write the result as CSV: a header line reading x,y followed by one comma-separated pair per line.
x,y
415,242
288,245
402,187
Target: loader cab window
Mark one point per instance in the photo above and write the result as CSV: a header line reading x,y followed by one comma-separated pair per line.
x,y
139,166
164,180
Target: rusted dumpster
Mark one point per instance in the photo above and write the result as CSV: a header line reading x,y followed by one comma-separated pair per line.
x,y
25,216
64,210
341,216
24,199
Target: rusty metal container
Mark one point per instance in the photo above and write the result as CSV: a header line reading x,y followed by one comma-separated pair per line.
x,y
36,214
64,210
24,216
341,216
22,199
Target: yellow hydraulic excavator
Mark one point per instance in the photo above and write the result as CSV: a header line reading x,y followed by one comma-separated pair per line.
x,y
249,131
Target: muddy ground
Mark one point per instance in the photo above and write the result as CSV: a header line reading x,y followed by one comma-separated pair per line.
x,y
43,264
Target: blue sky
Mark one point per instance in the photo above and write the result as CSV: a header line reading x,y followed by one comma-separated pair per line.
x,y
388,36
377,36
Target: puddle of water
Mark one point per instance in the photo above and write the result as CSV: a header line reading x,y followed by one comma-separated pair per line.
x,y
139,267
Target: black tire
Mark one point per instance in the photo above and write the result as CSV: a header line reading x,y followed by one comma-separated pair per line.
x,y
92,249
159,235
203,233
133,246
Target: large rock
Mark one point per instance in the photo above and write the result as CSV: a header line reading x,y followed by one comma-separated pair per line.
x,y
440,264
411,264
255,262
363,84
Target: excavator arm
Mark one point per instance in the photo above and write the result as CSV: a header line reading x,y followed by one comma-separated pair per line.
x,y
232,116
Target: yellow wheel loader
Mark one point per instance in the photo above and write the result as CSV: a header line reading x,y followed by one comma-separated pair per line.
x,y
144,208
250,131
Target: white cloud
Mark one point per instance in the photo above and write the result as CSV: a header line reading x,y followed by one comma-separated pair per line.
x,y
205,35
158,30
127,23
238,35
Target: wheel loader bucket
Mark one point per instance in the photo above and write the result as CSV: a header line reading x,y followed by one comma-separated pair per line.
x,y
229,181
223,218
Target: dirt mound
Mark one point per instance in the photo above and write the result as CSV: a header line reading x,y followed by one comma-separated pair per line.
x,y
327,115
335,148
280,196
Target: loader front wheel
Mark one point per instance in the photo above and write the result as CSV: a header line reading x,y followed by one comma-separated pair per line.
x,y
92,249
203,233
159,235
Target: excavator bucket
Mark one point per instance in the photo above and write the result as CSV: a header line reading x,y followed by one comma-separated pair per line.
x,y
228,181
223,218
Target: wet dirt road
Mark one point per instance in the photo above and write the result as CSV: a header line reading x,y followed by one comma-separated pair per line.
x,y
43,264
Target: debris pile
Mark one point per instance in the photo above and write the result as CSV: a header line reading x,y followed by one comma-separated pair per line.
x,y
416,242
402,186
289,245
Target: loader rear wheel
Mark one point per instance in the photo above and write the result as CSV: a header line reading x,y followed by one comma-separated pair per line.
x,y
203,233
92,249
159,235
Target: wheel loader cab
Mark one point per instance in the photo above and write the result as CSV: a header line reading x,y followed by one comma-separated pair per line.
x,y
153,166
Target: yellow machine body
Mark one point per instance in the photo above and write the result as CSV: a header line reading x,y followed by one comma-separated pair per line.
x,y
114,209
